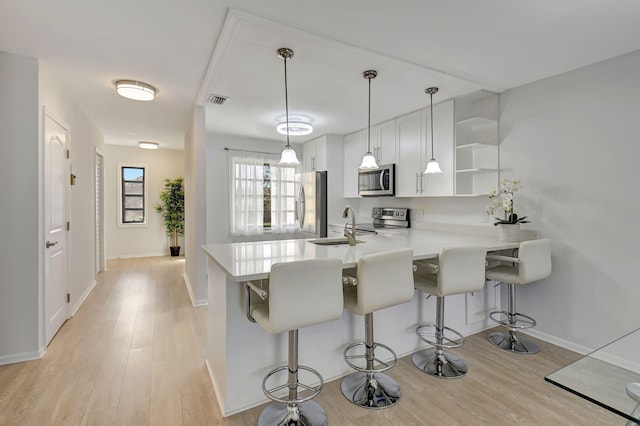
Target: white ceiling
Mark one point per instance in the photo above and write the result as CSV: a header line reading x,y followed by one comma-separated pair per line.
x,y
193,48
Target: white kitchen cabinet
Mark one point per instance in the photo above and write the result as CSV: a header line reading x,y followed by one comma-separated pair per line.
x,y
414,151
314,154
383,142
410,147
476,144
441,184
354,149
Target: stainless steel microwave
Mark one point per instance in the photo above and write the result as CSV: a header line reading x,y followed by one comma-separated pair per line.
x,y
378,182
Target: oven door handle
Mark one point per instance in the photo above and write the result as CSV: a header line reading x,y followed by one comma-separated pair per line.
x,y
382,179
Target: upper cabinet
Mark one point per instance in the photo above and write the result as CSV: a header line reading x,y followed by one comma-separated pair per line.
x,y
410,152
476,143
414,151
314,155
465,144
441,184
383,142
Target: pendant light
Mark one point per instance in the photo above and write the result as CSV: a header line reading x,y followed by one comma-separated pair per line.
x,y
289,156
432,166
369,161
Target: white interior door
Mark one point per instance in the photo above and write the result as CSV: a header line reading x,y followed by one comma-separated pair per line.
x,y
56,184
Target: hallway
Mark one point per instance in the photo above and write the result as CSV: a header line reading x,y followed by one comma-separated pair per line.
x,y
132,355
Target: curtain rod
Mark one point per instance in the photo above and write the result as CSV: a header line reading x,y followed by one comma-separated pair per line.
x,y
248,150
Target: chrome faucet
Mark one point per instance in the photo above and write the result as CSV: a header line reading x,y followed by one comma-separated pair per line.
x,y
351,236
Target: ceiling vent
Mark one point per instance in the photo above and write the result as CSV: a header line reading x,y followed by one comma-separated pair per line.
x,y
217,99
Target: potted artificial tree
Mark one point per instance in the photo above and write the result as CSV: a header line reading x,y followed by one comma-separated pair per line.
x,y
171,207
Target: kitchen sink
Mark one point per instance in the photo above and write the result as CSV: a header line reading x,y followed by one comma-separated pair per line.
x,y
332,241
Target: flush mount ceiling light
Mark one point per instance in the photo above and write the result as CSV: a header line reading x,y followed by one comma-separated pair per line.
x,y
295,128
135,90
432,166
289,156
148,145
369,161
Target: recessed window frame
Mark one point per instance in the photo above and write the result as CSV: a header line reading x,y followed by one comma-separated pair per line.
x,y
121,194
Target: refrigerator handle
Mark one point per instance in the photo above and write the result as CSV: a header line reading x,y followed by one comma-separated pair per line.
x,y
301,207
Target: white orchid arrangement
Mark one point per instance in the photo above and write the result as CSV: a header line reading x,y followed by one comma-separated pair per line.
x,y
503,200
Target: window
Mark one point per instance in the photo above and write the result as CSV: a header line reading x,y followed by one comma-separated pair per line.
x,y
132,195
262,195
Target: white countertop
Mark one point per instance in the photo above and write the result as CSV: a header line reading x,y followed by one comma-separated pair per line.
x,y
252,260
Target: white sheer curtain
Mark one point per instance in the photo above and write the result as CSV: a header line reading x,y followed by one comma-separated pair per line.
x,y
258,182
283,199
246,178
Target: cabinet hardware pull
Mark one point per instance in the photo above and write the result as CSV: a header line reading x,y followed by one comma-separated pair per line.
x,y
50,244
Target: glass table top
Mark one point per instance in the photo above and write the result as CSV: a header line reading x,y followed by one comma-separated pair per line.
x,y
609,377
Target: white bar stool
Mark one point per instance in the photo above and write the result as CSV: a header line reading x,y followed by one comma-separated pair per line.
x,y
459,270
532,264
299,294
383,280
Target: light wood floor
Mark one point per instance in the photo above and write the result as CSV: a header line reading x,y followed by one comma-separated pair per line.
x,y
134,355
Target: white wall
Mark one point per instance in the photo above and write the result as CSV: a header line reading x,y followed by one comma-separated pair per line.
x,y
19,171
195,208
573,139
27,86
144,240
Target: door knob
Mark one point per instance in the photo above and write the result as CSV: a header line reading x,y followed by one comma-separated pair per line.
x,y
50,244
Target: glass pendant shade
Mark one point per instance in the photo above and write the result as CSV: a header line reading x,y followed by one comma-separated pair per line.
x,y
368,162
432,167
289,157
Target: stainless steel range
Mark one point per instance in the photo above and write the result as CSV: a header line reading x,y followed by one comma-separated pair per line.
x,y
385,217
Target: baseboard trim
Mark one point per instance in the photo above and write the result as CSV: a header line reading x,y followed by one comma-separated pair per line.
x,y
22,357
83,297
132,256
194,302
582,350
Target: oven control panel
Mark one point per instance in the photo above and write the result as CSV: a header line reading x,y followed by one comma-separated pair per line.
x,y
390,217
391,213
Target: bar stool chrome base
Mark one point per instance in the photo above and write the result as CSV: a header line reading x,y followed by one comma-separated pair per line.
x,y
515,343
442,365
371,390
308,413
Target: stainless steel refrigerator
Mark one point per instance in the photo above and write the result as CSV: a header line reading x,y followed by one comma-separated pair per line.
x,y
311,204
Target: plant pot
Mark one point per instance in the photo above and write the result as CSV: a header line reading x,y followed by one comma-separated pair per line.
x,y
509,232
175,250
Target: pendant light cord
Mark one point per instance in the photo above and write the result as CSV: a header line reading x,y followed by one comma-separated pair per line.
x,y
286,99
432,154
369,121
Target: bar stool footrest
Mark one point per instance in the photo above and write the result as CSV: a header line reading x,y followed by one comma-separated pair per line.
x,y
428,336
516,321
383,365
271,392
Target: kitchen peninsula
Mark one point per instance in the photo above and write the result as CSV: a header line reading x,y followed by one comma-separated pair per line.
x,y
240,353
